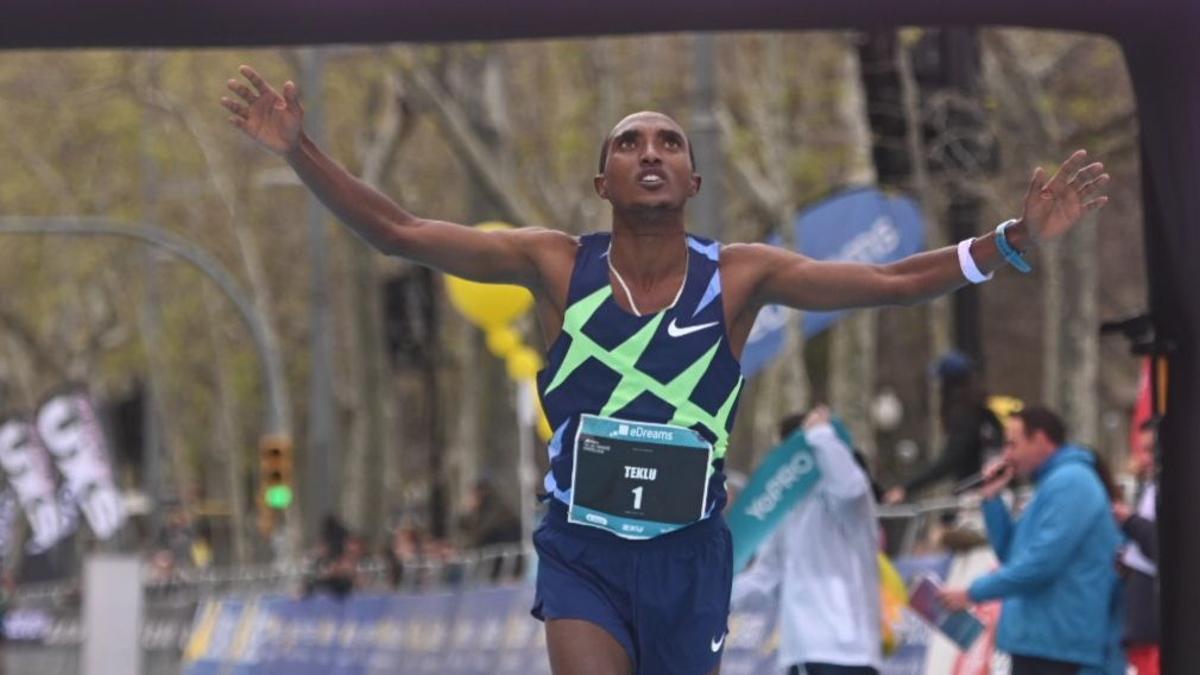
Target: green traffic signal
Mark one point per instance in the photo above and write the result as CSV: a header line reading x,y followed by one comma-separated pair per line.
x,y
278,496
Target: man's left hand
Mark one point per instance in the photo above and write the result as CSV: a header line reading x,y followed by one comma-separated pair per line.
x,y
955,598
816,417
1052,207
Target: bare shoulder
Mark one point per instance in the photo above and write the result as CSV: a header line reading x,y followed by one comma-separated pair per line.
x,y
546,245
552,253
749,262
547,236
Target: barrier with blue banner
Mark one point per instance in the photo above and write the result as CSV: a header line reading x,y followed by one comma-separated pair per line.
x,y
480,631
470,632
914,635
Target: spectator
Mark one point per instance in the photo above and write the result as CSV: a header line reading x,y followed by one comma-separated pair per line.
x,y
1139,559
487,522
823,562
335,570
486,519
177,535
973,434
1056,575
404,552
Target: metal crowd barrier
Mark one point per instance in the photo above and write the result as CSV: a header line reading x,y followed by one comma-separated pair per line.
x,y
471,568
51,611
468,568
46,626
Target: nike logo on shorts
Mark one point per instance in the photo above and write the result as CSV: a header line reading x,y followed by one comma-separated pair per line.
x,y
675,331
716,644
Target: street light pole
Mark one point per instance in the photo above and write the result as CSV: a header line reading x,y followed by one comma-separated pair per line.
x,y
706,139
321,475
279,416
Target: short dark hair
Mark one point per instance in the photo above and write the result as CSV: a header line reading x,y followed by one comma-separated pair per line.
x,y
608,139
788,425
1038,418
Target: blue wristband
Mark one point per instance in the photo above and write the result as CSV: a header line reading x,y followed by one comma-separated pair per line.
x,y
1006,249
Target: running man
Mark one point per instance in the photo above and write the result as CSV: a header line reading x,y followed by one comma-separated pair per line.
x,y
646,324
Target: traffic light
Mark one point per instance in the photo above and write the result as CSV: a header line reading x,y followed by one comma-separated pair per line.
x,y
275,471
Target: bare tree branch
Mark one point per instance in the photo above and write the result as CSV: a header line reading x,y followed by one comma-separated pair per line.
x,y
24,334
471,149
766,196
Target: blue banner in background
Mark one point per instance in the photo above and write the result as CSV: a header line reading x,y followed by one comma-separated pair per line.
x,y
766,338
860,225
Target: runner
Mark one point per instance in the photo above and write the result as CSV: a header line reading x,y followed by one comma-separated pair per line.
x,y
646,324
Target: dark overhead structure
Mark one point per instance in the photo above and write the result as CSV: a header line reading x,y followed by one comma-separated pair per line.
x,y
1159,38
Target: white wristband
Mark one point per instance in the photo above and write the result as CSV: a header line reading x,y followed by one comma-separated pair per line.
x,y
969,269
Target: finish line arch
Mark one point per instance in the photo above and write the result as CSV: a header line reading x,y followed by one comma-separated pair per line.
x,y
1158,39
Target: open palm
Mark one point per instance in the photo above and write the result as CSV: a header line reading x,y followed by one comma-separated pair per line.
x,y
270,119
1052,207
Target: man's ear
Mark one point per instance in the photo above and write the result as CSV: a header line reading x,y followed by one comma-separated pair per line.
x,y
601,185
695,185
1040,437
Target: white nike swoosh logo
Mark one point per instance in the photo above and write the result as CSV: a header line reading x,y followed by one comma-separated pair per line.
x,y
675,331
716,644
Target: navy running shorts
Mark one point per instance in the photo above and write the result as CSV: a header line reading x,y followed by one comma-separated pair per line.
x,y
665,600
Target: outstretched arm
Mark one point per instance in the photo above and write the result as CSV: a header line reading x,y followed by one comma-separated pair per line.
x,y
274,120
1051,208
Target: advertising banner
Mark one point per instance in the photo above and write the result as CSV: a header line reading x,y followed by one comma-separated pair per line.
x,y
862,225
68,426
856,225
484,631
30,472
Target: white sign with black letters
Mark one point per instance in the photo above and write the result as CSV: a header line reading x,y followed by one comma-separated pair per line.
x,y
68,426
31,475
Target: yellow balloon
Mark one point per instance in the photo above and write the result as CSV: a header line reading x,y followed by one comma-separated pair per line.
x,y
1004,406
488,305
502,340
523,363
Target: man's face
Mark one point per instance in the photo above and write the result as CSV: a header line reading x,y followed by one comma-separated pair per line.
x,y
1024,453
648,165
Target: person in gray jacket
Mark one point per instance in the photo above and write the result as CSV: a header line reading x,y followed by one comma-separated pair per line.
x,y
822,561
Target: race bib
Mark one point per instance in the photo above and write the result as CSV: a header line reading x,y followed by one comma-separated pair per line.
x,y
638,480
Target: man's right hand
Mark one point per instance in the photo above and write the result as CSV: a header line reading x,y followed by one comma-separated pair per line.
x,y
997,476
272,120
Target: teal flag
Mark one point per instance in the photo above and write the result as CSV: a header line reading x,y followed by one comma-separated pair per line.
x,y
785,476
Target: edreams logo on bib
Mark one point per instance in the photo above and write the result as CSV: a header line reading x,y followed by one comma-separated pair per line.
x,y
652,434
622,429
593,518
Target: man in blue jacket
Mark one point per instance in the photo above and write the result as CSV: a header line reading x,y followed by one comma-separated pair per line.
x,y
1057,576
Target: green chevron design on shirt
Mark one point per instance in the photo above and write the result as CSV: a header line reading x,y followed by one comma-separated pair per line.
x,y
634,383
